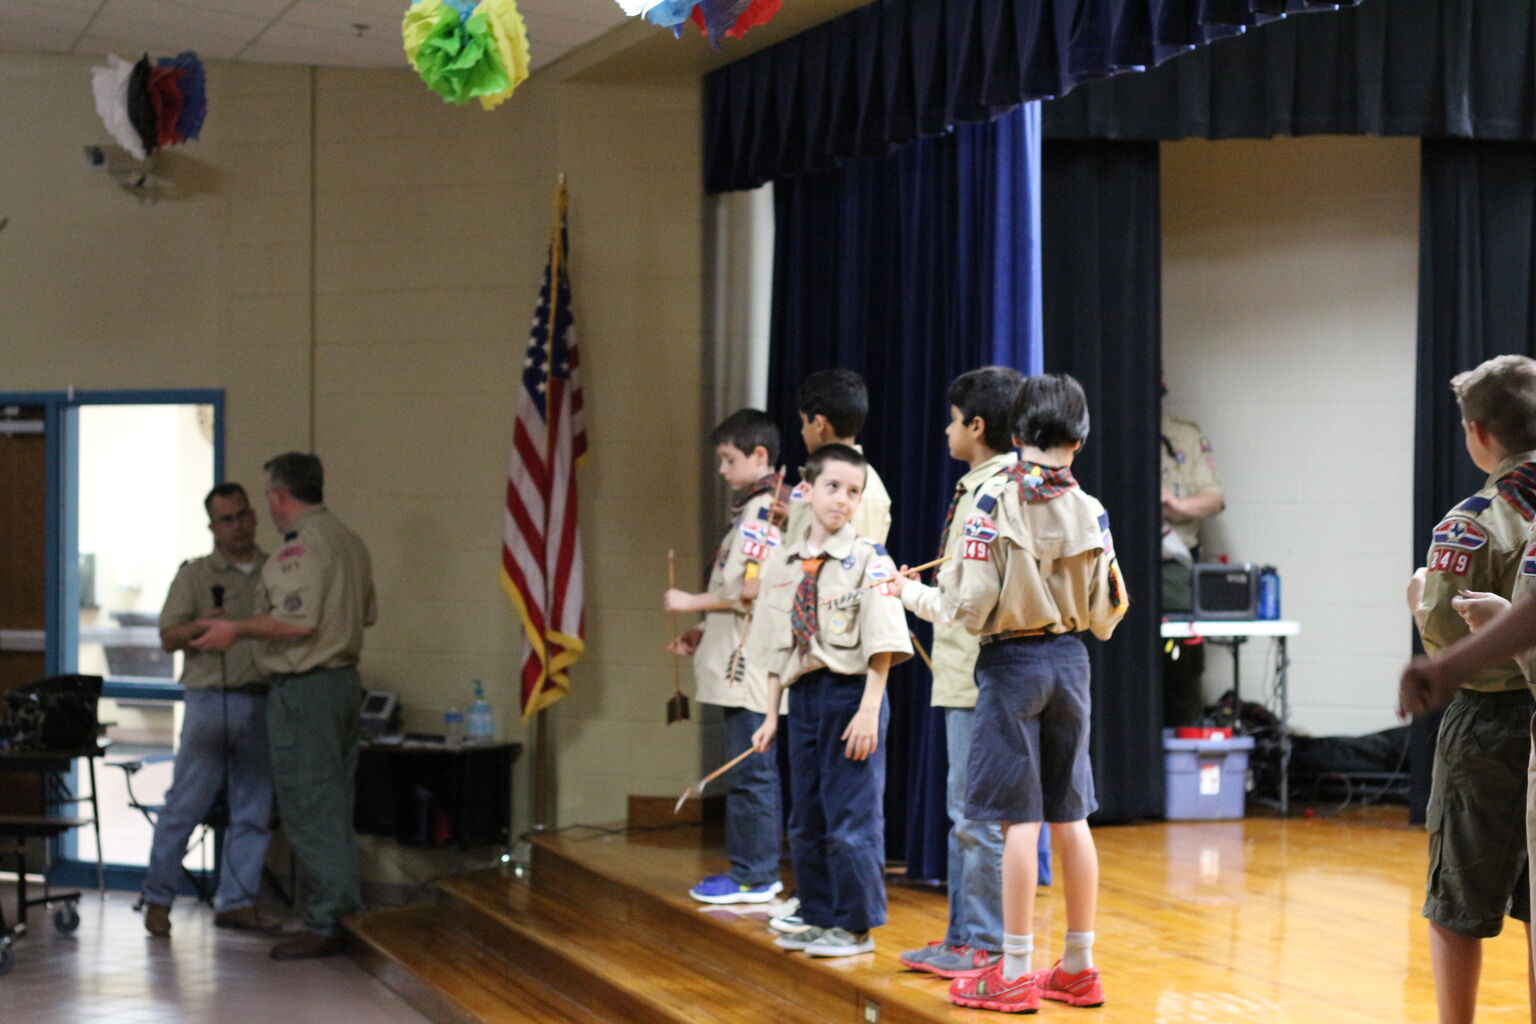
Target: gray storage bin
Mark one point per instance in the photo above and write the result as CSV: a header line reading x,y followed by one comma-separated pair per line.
x,y
1206,779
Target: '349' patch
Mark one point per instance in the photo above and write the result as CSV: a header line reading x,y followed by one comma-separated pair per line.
x,y
1450,560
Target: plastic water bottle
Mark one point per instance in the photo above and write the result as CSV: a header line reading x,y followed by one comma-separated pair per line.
x,y
453,727
482,724
1269,593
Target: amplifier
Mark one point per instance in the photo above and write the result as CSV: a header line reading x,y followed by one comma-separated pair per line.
x,y
1226,591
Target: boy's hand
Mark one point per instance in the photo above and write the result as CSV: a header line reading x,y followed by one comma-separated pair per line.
x,y
217,635
1415,592
762,739
898,583
685,645
750,589
862,735
1422,688
1478,608
678,601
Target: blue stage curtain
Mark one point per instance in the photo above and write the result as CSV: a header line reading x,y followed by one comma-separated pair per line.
x,y
911,269
1388,67
897,70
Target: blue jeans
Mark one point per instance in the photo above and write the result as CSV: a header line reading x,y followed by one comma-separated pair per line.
x,y
754,823
837,813
975,851
206,747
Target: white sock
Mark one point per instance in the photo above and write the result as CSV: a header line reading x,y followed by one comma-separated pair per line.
x,y
1079,954
1018,955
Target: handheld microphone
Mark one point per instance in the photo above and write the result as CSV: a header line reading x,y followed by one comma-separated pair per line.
x,y
218,595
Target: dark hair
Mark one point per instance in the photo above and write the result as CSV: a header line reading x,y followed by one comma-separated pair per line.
x,y
1051,411
301,474
989,393
747,429
224,490
833,453
840,396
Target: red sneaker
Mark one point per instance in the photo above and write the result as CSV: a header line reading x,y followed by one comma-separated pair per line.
x,y
1080,989
988,991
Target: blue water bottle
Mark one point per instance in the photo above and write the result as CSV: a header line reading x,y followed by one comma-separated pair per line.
x,y
1269,593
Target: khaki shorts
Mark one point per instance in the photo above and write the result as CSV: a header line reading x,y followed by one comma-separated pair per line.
x,y
1477,811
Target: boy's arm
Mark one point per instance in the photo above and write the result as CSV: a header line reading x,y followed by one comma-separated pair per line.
x,y
762,739
681,601
749,542
1108,600
1450,569
862,737
1426,684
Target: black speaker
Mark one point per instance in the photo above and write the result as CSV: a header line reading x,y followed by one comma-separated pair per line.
x,y
1226,591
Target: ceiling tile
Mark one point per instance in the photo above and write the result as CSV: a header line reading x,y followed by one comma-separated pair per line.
x,y
46,16
28,38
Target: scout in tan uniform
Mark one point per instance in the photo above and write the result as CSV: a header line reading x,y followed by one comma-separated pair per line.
x,y
1477,856
1192,493
833,407
224,725
980,434
318,599
747,444
829,625
1037,567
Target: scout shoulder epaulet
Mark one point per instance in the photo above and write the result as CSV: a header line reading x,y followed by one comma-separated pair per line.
x,y
291,535
1474,504
991,490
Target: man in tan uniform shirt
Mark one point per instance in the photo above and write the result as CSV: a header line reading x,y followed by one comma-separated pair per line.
x,y
1192,493
319,597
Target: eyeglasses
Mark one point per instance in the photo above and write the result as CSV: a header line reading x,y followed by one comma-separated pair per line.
x,y
235,517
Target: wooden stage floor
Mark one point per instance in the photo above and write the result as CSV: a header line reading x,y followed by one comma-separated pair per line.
x,y
1265,919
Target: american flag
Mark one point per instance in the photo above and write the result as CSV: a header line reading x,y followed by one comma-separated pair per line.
x,y
541,549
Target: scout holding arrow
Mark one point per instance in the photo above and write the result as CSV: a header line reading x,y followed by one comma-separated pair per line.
x,y
747,444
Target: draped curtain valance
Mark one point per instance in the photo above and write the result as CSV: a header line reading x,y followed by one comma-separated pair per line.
x,y
896,70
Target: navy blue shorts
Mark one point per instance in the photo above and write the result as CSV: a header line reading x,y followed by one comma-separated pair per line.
x,y
1029,754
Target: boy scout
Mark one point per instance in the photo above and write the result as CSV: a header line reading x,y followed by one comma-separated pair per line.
x,y
831,628
833,406
980,434
1477,857
317,598
1037,567
747,443
1192,492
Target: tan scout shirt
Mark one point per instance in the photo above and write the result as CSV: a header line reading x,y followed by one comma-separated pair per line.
x,y
1525,586
954,647
749,538
321,579
859,625
872,521
1478,545
1188,469
191,598
1026,566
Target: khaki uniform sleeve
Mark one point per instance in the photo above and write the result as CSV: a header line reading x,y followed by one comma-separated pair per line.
x,y
974,582
1202,470
1452,568
748,544
181,600
873,520
296,584
884,628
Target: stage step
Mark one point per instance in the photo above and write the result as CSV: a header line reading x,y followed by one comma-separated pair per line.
x,y
424,954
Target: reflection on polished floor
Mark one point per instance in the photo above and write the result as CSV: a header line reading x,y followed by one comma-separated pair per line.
x,y
111,972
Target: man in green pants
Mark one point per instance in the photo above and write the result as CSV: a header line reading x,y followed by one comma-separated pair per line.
x,y
318,597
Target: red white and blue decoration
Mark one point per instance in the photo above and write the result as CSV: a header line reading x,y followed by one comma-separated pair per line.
x,y
717,19
148,105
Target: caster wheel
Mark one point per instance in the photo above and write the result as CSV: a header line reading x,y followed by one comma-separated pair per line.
x,y
66,919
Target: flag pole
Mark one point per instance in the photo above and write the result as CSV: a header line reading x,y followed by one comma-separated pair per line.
x,y
543,771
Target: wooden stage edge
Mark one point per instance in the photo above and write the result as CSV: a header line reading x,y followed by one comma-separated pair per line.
x,y
1264,919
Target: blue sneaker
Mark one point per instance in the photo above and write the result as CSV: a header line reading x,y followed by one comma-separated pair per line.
x,y
725,889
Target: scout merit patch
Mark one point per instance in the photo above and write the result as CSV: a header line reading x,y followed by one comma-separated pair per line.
x,y
1462,534
882,573
802,492
1528,563
979,532
1450,560
292,603
757,539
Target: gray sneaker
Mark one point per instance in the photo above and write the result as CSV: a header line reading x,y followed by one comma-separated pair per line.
x,y
840,942
917,959
789,924
800,940
960,961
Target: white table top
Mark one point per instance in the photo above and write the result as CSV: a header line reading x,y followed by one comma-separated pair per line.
x,y
1182,629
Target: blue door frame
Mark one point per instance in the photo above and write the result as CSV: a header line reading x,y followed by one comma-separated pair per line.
x,y
61,576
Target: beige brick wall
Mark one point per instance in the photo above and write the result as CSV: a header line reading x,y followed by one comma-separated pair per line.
x,y
428,226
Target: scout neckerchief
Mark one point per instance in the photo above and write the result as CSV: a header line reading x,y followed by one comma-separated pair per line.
x,y
1038,484
802,618
739,501
1518,487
